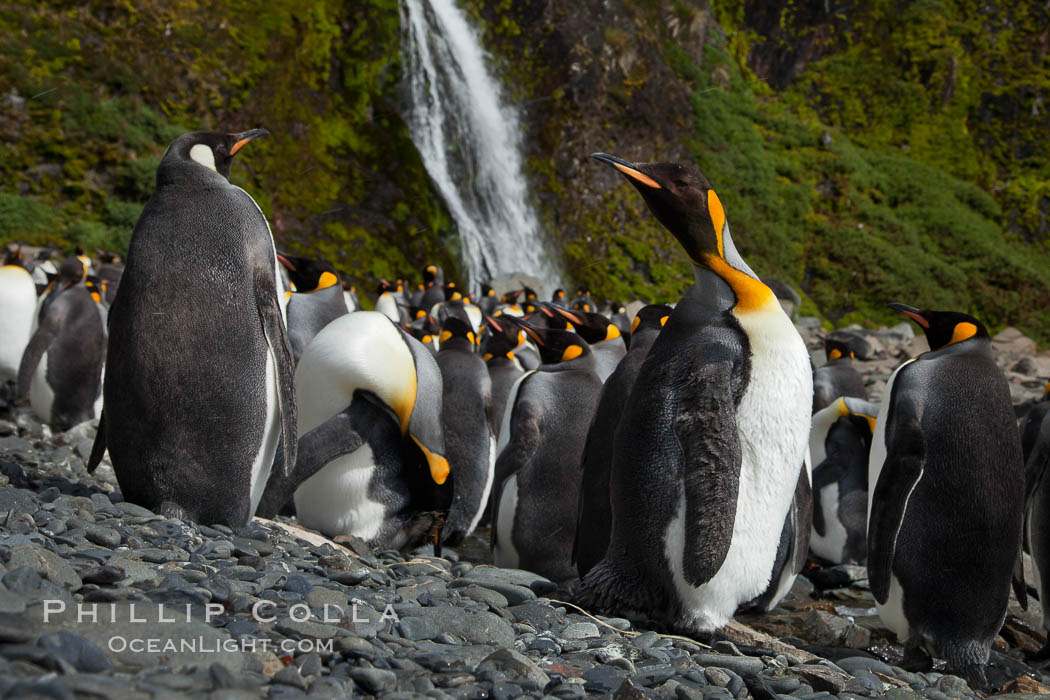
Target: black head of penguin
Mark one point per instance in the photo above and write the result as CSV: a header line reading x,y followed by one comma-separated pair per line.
x,y
548,317
425,329
487,290
211,149
559,297
452,293
14,257
386,286
504,337
530,294
557,347
432,274
836,349
653,316
592,327
511,297
457,333
309,275
943,327
682,199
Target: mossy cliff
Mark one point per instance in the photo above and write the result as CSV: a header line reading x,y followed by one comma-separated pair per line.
x,y
865,152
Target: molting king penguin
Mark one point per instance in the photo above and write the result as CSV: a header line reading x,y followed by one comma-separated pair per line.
x,y
62,367
538,465
839,444
711,445
839,377
946,496
371,448
467,419
198,389
317,300
1035,444
595,518
17,307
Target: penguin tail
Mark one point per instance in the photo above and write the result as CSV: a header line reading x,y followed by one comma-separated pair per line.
x,y
98,450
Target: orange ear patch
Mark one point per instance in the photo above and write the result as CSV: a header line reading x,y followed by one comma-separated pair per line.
x,y
834,354
963,331
635,323
327,280
571,353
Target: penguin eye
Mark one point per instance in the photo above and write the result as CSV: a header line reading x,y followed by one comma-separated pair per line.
x,y
681,183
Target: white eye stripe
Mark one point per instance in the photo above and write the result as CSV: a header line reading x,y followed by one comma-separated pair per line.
x,y
203,155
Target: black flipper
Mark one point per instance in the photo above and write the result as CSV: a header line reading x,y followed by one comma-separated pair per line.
x,y
43,337
333,438
707,433
801,514
521,445
901,472
99,448
277,338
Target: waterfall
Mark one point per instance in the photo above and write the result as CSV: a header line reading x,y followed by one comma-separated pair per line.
x,y
469,139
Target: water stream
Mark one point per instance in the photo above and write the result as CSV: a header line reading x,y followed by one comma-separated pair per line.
x,y
469,139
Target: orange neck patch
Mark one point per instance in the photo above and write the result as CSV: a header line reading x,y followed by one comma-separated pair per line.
x,y
751,294
718,220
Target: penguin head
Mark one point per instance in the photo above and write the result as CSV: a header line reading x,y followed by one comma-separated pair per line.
x,y
504,338
552,318
530,294
592,327
309,275
211,150
943,327
681,198
432,274
558,297
652,316
511,297
487,290
556,346
14,257
452,293
387,286
458,332
617,307
835,349
71,272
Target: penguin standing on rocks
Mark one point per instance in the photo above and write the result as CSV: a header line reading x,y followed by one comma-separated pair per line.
x,y
199,382
839,444
595,520
371,447
17,306
946,496
1035,444
839,377
708,451
538,468
467,419
61,369
317,300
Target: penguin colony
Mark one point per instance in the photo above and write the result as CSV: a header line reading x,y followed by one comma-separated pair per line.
x,y
677,466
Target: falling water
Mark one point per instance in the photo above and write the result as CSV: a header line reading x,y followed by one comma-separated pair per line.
x,y
469,141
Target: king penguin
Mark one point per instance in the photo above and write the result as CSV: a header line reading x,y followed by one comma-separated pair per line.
x,y
317,300
838,377
17,306
1035,444
390,303
535,501
839,444
708,452
199,378
61,368
371,449
604,338
467,419
595,519
946,496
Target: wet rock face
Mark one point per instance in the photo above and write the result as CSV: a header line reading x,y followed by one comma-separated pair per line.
x,y
278,610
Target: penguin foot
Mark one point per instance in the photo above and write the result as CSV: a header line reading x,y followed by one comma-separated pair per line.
x,y
915,660
974,675
1041,655
173,510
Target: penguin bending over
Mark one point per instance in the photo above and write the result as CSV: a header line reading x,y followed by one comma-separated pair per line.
x,y
17,307
538,468
839,444
61,369
467,419
946,495
371,448
595,519
317,300
198,388
713,435
839,377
